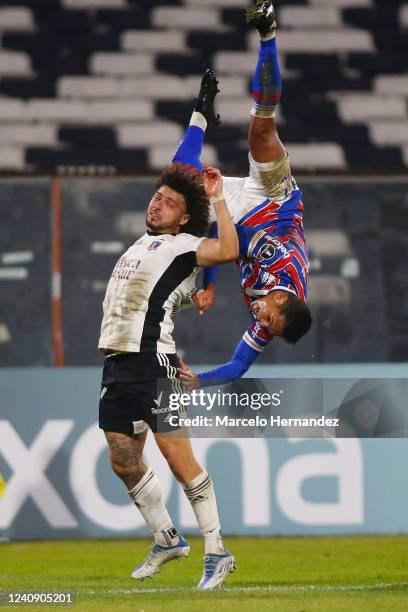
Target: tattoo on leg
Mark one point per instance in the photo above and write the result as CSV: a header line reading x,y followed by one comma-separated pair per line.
x,y
126,451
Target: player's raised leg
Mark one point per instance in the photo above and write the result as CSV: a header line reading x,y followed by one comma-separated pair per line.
x,y
126,455
199,489
264,143
203,117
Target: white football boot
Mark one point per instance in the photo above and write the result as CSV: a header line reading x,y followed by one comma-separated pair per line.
x,y
216,569
158,555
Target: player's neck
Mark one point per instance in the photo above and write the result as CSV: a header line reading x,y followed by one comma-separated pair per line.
x,y
162,233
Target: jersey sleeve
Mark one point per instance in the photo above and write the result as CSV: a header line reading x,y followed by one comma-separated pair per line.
x,y
249,347
235,197
186,243
239,363
211,272
245,235
256,337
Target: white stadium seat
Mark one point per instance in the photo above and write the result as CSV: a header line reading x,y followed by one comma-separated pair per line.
x,y
392,85
321,41
389,132
152,87
184,18
20,134
75,111
309,17
234,111
139,40
364,107
403,15
88,87
147,134
122,63
317,156
16,19
12,158
11,109
15,63
329,243
218,3
344,3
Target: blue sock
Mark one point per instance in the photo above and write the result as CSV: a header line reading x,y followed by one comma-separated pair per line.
x,y
189,149
267,80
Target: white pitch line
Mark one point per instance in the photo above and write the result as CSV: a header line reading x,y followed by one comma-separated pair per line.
x,y
297,588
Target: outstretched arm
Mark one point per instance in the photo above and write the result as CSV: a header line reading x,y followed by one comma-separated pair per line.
x,y
239,363
253,342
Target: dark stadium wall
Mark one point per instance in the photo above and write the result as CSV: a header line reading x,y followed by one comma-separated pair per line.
x,y
357,235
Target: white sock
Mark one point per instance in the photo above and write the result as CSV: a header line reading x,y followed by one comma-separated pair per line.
x,y
147,497
198,120
201,495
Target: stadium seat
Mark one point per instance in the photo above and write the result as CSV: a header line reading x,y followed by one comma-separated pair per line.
x,y
186,18
18,19
115,63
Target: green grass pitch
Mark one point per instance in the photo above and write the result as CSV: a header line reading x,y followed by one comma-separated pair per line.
x,y
280,574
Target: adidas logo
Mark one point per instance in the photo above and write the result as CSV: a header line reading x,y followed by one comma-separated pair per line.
x,y
197,500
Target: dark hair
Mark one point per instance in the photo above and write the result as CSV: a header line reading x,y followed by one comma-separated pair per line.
x,y
187,181
298,319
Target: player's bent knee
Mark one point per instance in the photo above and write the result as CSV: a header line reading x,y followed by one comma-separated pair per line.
x,y
129,472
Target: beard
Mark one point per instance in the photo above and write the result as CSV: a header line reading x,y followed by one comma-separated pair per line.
x,y
154,224
161,227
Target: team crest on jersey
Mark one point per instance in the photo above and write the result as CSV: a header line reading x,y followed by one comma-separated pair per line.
x,y
155,245
267,251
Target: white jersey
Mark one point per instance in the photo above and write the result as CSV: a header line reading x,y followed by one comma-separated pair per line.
x,y
150,282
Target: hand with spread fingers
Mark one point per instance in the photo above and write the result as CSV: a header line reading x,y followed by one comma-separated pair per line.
x,y
187,376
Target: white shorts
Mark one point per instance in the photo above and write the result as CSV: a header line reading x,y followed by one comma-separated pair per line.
x,y
271,180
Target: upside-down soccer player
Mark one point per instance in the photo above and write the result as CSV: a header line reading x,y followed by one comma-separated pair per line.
x,y
150,282
267,208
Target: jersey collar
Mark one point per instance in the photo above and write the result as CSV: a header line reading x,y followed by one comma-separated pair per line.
x,y
150,233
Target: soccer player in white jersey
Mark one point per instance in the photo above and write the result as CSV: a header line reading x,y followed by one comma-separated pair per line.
x,y
268,211
150,282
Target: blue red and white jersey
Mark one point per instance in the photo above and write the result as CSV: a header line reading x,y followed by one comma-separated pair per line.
x,y
272,257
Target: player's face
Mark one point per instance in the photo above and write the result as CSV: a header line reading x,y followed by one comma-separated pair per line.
x,y
166,212
266,310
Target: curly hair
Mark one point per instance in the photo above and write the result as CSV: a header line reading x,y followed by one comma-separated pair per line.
x,y
298,319
187,181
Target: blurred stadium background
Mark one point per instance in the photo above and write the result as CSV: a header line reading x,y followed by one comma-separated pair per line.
x,y
105,87
94,95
